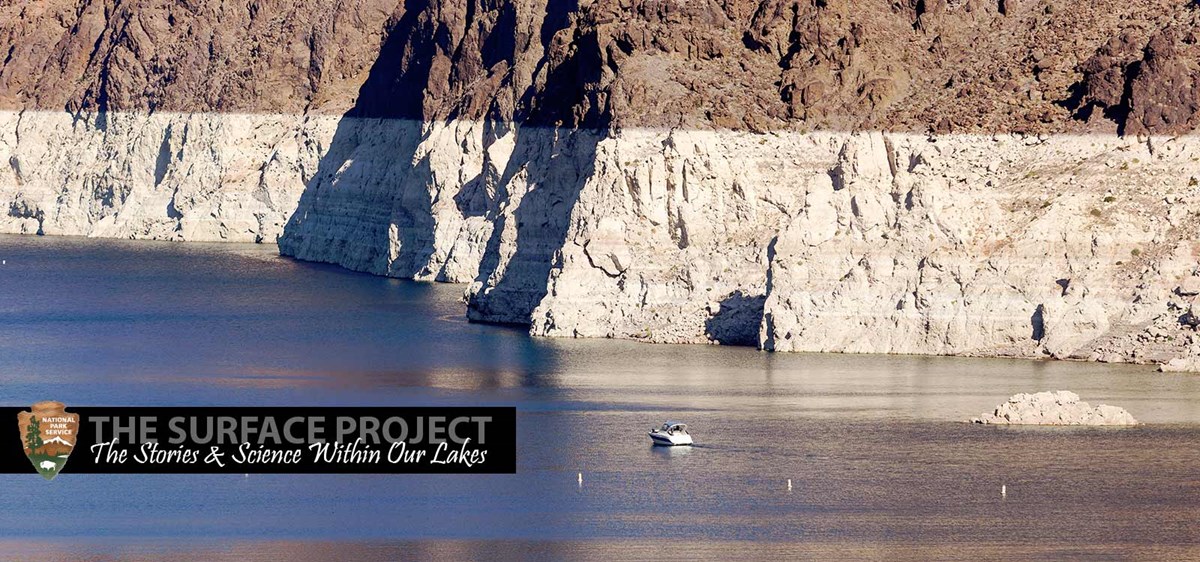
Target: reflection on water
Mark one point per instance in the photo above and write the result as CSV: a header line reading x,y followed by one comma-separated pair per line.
x,y
881,468
673,452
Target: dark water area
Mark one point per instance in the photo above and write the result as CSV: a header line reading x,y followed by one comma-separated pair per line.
x,y
881,466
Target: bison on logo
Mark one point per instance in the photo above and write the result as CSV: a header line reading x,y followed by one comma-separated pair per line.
x,y
48,436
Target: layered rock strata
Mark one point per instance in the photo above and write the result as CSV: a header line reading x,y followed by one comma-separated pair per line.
x,y
164,176
1023,181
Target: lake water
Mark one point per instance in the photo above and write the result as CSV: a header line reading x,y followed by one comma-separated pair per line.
x,y
881,465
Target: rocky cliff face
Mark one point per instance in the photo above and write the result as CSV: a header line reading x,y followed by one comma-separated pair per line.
x,y
1021,182
172,120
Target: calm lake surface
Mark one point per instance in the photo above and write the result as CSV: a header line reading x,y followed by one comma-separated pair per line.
x,y
881,465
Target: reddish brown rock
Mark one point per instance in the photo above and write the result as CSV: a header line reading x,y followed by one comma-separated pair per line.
x,y
1146,80
962,66
1164,95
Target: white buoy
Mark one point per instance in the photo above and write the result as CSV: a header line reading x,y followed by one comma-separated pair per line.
x,y
580,479
789,484
1003,491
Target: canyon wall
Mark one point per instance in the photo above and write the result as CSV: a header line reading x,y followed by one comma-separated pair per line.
x,y
980,178
165,176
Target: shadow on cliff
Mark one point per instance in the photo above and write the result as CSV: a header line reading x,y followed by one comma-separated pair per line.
x,y
554,156
368,207
343,216
555,165
737,320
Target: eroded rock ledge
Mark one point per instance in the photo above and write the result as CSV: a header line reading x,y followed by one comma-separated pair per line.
x,y
1054,408
1070,246
968,177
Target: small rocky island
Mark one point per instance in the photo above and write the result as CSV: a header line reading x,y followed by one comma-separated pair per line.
x,y
1054,408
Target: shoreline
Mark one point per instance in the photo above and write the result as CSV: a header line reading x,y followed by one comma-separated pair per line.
x,y
957,244
525,327
519,327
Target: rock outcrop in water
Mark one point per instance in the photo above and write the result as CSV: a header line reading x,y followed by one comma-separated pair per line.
x,y
1054,408
948,177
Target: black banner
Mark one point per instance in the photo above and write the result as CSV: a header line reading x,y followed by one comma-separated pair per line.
x,y
253,440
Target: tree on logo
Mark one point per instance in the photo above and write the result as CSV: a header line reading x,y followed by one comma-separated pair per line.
x,y
33,436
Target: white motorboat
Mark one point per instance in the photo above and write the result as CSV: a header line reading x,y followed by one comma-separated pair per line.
x,y
671,433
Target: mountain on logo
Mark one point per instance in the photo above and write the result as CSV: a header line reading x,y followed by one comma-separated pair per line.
x,y
48,436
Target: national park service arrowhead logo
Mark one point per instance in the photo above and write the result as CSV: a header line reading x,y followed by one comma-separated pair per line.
x,y
48,436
